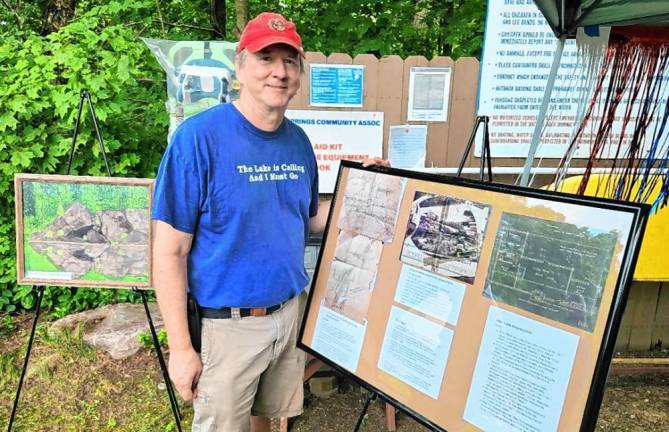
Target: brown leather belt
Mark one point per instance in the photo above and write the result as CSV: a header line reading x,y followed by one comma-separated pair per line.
x,y
226,312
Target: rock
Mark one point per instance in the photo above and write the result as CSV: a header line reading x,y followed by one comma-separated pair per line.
x,y
118,261
111,242
77,216
115,226
116,327
138,220
323,387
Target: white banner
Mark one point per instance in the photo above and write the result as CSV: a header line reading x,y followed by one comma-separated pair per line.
x,y
517,56
337,135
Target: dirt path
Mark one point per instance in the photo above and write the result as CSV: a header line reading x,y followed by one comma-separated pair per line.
x,y
632,403
70,386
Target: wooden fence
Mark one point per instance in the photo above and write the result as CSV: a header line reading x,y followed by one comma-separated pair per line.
x,y
386,88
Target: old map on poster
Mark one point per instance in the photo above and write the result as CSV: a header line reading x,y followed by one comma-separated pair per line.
x,y
554,269
352,274
371,201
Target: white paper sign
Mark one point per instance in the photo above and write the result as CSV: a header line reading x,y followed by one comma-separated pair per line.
x,y
339,338
338,135
407,146
517,57
415,351
429,89
521,375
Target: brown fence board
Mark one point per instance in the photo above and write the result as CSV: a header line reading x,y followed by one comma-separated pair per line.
x,y
339,58
661,320
370,86
409,62
642,315
391,80
462,110
437,132
301,99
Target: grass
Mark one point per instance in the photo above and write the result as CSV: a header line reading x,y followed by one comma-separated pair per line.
x,y
93,276
70,386
36,261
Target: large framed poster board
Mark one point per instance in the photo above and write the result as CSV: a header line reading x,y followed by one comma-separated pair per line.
x,y
472,306
83,231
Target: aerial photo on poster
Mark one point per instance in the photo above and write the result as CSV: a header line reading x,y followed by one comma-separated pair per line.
x,y
444,235
556,269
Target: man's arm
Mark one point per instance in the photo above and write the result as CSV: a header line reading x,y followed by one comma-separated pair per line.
x,y
317,223
170,254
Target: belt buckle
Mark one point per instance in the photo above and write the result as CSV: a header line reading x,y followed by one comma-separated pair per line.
x,y
258,312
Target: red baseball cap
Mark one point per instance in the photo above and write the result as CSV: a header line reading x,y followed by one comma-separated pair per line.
x,y
267,29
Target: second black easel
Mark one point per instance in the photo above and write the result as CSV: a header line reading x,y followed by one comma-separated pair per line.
x,y
85,96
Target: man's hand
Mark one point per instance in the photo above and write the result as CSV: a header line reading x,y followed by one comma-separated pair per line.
x,y
376,161
185,368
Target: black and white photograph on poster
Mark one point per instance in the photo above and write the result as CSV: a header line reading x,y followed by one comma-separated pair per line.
x,y
554,269
444,235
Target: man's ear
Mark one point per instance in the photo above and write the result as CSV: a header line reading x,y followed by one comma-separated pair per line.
x,y
239,73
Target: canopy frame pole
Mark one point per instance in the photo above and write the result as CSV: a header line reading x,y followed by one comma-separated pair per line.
x,y
541,117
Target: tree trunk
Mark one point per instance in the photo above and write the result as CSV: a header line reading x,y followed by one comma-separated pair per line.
x,y
446,48
218,18
57,13
241,16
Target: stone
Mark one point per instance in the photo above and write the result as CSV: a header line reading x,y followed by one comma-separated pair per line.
x,y
113,328
111,242
323,387
138,220
115,226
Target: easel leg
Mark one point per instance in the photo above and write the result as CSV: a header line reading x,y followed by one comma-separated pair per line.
x,y
40,293
161,360
485,161
372,396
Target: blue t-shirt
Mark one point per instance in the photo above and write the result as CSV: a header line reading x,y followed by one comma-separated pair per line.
x,y
246,195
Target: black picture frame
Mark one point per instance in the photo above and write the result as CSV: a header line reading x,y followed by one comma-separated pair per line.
x,y
630,254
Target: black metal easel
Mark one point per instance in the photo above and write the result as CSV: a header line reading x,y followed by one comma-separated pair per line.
x,y
363,413
486,160
85,95
486,164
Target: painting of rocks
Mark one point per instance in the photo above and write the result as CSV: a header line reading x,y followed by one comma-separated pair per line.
x,y
83,231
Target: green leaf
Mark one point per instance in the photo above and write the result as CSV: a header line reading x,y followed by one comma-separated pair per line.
x,y
7,120
123,69
21,158
28,301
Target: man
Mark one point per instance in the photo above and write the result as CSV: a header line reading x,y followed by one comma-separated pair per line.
x,y
235,197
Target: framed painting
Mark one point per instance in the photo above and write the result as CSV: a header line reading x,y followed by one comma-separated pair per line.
x,y
83,231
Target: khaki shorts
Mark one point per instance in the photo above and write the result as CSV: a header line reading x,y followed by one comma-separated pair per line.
x,y
251,366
